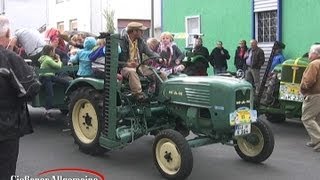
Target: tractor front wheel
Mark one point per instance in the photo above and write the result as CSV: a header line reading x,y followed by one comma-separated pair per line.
x,y
172,155
256,146
86,119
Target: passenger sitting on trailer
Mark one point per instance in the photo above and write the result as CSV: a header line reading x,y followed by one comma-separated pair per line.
x,y
97,57
82,57
50,62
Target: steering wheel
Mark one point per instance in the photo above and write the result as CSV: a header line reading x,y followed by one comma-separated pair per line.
x,y
138,70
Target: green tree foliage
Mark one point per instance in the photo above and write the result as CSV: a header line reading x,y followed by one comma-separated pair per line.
x,y
109,17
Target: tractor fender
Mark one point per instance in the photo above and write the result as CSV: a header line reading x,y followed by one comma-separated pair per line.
x,y
85,82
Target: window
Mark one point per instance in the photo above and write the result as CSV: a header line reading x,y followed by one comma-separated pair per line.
x,y
59,1
192,28
267,26
60,26
73,25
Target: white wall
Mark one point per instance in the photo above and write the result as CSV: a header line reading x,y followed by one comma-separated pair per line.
x,y
136,9
26,13
93,21
68,10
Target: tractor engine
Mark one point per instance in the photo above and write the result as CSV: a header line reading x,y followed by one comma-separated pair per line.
x,y
206,104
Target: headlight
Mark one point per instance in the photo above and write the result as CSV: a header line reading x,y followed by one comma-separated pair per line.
x,y
279,76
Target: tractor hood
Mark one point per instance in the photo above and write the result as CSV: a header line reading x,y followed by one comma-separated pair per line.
x,y
207,80
204,91
299,62
292,70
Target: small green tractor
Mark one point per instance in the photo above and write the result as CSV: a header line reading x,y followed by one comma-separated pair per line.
x,y
286,97
104,116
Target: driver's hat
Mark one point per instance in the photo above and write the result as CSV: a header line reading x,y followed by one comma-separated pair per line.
x,y
136,25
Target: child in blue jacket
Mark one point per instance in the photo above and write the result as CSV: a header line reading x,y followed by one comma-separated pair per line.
x,y
82,57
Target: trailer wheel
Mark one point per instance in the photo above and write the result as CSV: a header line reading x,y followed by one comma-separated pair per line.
x,y
86,120
172,155
256,146
276,118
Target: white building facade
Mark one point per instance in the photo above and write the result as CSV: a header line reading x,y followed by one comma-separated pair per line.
x,y
87,15
25,13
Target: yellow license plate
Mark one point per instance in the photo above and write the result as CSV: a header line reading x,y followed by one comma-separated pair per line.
x,y
243,117
293,90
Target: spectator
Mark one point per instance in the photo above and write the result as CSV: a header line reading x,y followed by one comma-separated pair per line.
x,y
218,58
132,47
199,49
32,42
310,88
14,115
239,60
254,60
199,67
171,53
82,57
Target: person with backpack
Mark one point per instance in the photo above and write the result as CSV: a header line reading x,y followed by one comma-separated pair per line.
x,y
15,90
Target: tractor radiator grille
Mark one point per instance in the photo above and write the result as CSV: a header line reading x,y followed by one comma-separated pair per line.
x,y
198,96
107,85
243,98
287,74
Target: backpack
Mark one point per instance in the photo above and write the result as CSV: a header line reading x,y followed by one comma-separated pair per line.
x,y
22,76
30,82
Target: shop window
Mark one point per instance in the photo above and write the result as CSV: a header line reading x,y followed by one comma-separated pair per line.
x,y
267,26
192,28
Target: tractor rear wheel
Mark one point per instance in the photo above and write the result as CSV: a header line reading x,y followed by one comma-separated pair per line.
x,y
86,119
172,155
256,146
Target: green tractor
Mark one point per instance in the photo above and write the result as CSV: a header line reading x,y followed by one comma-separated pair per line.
x,y
104,116
285,91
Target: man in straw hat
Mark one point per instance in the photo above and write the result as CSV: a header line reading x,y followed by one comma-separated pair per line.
x,y
132,47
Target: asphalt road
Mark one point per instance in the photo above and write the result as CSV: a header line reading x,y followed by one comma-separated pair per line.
x,y
51,146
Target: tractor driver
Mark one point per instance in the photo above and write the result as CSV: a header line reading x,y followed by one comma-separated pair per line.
x,y
132,47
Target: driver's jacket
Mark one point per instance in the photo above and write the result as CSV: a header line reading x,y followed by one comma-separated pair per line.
x,y
143,48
